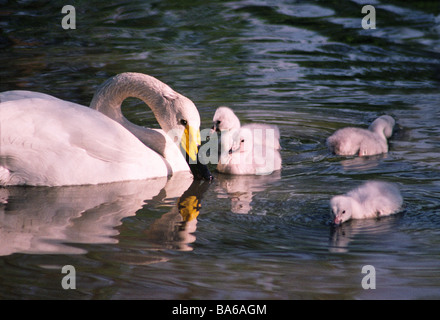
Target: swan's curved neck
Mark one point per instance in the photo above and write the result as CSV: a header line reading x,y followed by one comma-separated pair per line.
x,y
156,94
170,109
383,126
380,131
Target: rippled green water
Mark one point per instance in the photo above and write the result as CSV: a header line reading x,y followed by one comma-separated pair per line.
x,y
306,66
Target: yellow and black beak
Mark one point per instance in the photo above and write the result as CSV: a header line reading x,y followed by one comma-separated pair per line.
x,y
191,142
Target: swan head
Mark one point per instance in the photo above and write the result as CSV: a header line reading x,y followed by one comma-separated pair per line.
x,y
249,137
242,141
184,121
180,119
383,125
225,119
341,209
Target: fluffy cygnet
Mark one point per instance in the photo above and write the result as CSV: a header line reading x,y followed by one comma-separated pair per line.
x,y
249,149
370,200
256,152
362,142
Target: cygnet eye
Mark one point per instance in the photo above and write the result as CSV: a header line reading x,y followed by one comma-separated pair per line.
x,y
184,122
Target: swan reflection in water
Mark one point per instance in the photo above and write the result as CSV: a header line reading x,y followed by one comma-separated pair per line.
x,y
376,230
41,220
241,189
174,230
363,163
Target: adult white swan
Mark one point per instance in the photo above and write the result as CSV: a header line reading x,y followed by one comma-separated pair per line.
x,y
52,142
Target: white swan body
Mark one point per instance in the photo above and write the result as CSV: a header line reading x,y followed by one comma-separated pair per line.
x,y
362,142
69,145
246,150
51,142
156,139
24,94
370,200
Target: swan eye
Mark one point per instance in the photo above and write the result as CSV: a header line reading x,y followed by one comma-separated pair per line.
x,y
343,212
184,122
218,122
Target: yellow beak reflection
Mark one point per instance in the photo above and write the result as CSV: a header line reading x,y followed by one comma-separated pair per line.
x,y
189,208
191,141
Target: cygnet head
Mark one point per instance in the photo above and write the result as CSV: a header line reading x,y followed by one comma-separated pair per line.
x,y
383,124
342,208
225,119
242,141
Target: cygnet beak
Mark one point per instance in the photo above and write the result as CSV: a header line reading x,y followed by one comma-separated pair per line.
x,y
215,128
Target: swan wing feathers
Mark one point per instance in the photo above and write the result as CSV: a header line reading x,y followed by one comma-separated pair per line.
x,y
54,142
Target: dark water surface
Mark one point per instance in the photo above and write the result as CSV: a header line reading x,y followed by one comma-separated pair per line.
x,y
308,67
